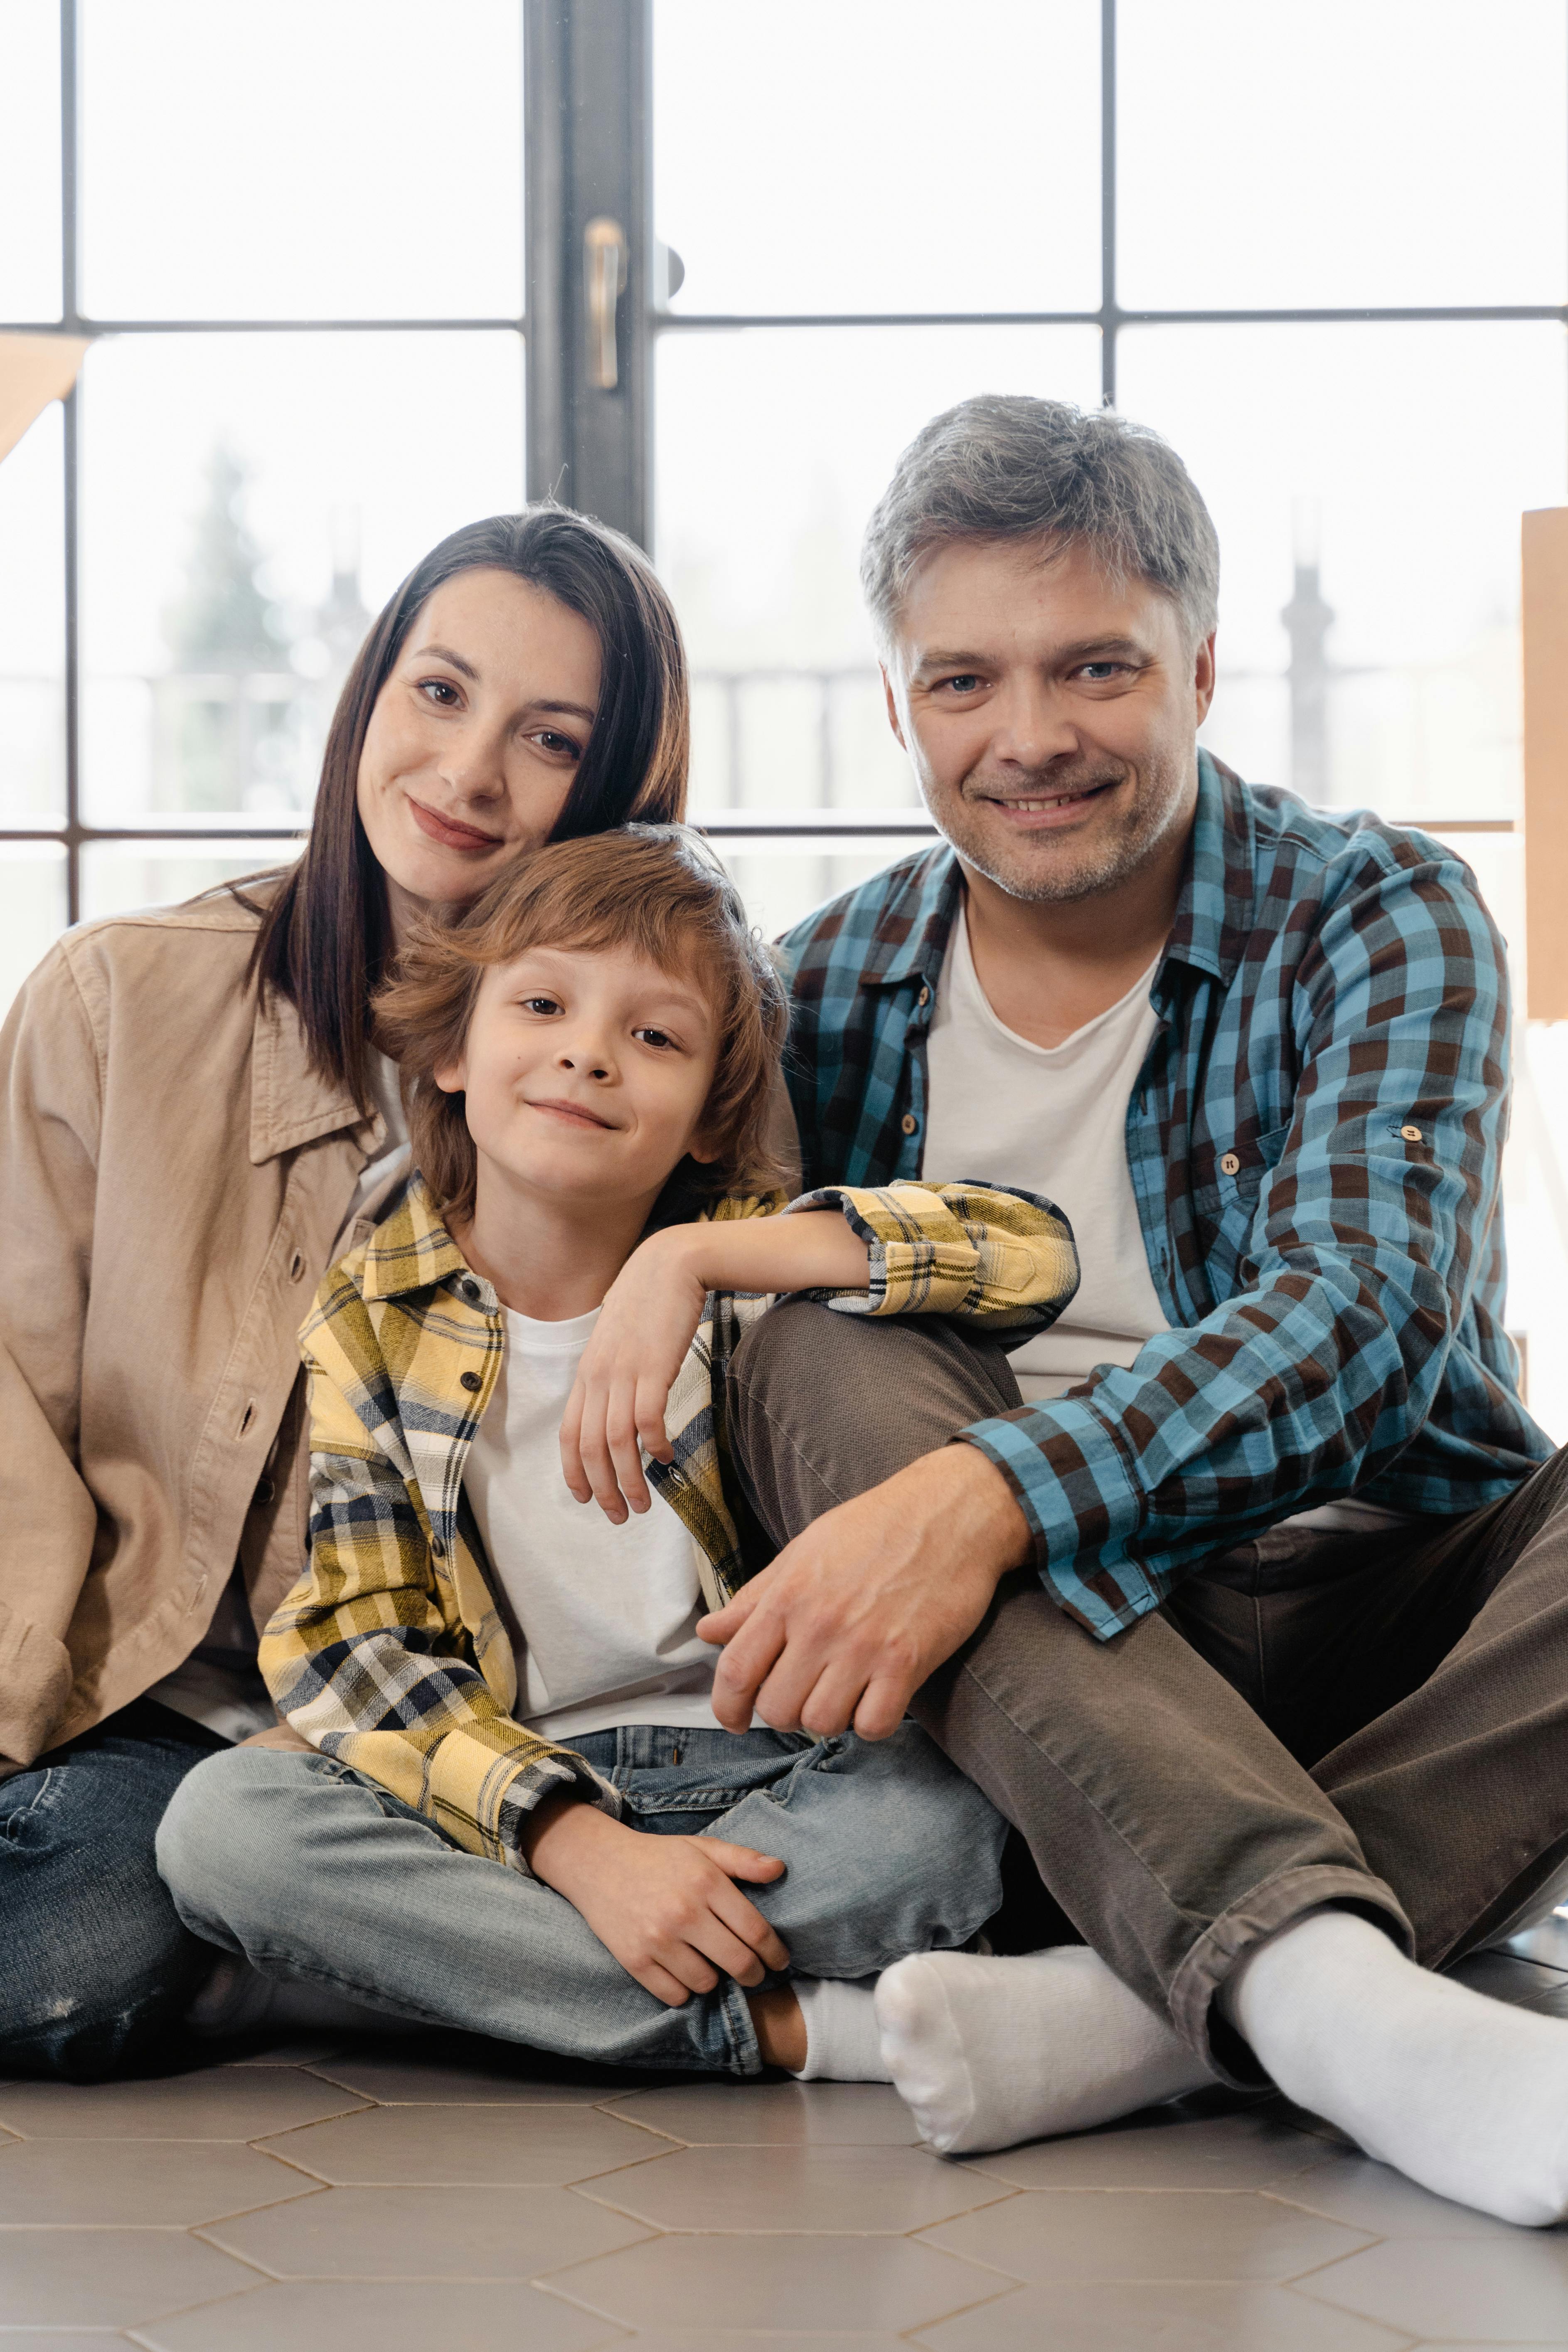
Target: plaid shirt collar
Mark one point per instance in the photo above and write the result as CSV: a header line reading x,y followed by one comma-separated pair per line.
x,y
1214,912
412,1250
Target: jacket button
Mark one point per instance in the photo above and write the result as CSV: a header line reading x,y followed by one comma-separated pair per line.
x,y
1411,1134
265,1490
1230,1164
470,1381
908,1122
295,1266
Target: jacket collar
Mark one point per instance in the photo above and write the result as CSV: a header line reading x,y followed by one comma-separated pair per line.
x,y
290,1102
411,1249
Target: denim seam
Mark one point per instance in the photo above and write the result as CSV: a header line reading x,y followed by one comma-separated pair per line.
x,y
34,1802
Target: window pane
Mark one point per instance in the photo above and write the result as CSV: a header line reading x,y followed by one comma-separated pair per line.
x,y
1323,153
32,910
309,158
1379,471
118,876
30,160
248,502
32,626
782,880
819,158
773,446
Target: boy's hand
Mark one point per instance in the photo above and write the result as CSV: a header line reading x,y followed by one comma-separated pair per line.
x,y
645,1325
668,1907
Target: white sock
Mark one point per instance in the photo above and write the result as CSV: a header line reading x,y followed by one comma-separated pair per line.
x,y
842,2044
986,2052
1465,2096
237,1998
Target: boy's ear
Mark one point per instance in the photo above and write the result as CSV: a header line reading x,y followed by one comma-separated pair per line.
x,y
452,1077
703,1148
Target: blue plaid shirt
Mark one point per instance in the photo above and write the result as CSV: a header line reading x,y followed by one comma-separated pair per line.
x,y
1315,1144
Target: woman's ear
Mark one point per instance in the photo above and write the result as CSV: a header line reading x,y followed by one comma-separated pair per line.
x,y
452,1077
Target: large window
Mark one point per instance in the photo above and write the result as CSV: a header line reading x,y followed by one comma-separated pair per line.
x,y
355,271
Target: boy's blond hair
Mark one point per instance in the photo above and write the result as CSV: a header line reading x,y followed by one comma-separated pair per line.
x,y
652,888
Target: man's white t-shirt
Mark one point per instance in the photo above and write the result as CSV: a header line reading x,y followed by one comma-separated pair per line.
x,y
1053,1119
602,1618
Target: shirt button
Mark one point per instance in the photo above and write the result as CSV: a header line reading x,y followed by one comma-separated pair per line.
x,y
470,1381
470,1290
924,997
908,1122
437,1548
1411,1134
1229,1165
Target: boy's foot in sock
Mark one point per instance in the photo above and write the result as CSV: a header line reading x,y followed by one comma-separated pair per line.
x,y
1461,2093
987,2053
842,2040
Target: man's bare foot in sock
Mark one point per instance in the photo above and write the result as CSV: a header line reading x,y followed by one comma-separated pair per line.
x,y
1463,2094
987,2053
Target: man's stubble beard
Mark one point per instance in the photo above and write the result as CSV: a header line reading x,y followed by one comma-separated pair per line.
x,y
1094,871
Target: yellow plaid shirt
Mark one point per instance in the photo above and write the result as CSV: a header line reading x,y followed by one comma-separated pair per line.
x,y
389,1653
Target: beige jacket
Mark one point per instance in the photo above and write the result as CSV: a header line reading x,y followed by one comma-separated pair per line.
x,y
174,1175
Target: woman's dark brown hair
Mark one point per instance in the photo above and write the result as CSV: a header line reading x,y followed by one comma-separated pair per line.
x,y
326,936
652,888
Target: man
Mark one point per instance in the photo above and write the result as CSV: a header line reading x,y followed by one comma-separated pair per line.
x,y
1243,1596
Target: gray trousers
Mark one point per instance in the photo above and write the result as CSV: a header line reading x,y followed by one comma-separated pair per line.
x,y
1378,1721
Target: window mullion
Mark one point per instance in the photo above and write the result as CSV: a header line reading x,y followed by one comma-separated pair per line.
x,y
588,163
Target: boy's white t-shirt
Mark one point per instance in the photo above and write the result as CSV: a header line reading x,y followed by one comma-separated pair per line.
x,y
602,1618
1053,1119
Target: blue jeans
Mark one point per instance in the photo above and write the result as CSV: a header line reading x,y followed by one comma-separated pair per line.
x,y
96,1968
316,1872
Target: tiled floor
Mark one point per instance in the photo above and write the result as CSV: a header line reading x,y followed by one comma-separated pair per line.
x,y
368,2198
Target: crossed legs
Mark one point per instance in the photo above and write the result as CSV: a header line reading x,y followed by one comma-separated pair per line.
x,y
1418,1796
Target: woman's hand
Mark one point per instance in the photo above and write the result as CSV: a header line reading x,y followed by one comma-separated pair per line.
x,y
667,1907
645,1325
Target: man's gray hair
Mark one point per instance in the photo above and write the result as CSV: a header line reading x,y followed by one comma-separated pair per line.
x,y
1004,466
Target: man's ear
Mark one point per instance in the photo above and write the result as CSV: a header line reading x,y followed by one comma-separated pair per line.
x,y
452,1077
893,720
1203,675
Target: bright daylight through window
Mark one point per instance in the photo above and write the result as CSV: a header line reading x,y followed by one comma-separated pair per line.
x,y
1341,293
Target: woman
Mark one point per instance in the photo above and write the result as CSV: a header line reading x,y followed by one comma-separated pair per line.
x,y
192,1122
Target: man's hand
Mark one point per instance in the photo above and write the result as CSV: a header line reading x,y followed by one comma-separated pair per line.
x,y
851,1617
668,1907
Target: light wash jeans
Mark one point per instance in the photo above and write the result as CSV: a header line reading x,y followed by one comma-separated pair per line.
x,y
316,1872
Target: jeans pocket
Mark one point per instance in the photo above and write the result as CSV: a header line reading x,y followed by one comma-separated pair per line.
x,y
30,1801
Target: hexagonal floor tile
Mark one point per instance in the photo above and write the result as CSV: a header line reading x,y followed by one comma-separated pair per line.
x,y
108,2278
431,2234
365,2315
860,2189
843,2285
442,2074
730,2339
1366,2195
1130,2233
775,2115
1070,2316
1242,2151
497,2147
31,2339
1502,2293
137,2182
220,2102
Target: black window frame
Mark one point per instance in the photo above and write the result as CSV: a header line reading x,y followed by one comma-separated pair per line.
x,y
587,132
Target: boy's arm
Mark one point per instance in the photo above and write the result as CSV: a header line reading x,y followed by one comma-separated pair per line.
x,y
365,1658
980,1253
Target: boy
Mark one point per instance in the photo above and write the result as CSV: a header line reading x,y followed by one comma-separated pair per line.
x,y
489,1676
